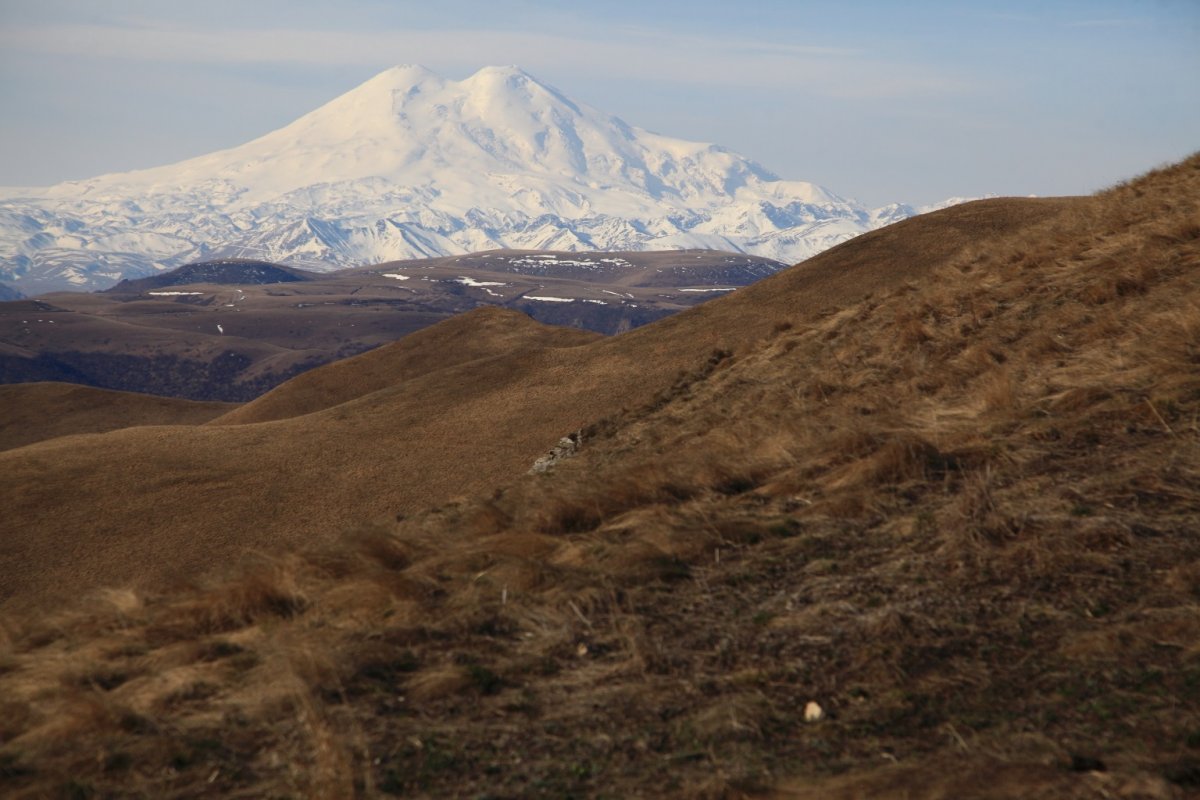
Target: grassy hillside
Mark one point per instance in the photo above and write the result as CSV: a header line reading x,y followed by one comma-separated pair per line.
x,y
924,531
458,409
460,340
34,412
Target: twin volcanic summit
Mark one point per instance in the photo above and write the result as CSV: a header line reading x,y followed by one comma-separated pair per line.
x,y
410,165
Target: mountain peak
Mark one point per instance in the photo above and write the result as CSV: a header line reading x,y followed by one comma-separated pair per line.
x,y
410,164
406,77
506,71
376,92
410,73
513,83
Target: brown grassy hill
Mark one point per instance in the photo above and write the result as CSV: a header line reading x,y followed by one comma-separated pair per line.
x,y
459,340
881,259
37,411
86,511
959,516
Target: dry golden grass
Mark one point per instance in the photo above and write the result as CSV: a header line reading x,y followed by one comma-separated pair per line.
x,y
34,412
960,514
452,411
455,342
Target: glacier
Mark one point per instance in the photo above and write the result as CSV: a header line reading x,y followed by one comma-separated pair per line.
x,y
410,164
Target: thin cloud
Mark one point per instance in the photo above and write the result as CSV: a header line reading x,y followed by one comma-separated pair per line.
x,y
694,60
1106,23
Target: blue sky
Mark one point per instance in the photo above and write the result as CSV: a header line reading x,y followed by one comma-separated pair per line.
x,y
904,101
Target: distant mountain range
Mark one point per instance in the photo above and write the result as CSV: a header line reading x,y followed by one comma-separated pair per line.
x,y
231,329
410,165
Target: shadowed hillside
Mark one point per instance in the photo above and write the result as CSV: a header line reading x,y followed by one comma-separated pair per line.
x,y
915,519
227,272
37,411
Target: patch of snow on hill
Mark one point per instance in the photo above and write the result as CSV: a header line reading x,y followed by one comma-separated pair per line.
x,y
465,281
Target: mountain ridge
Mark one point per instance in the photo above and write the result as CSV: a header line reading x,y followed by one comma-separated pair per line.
x,y
410,164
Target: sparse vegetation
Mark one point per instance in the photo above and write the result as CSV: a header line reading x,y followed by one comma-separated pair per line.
x,y
960,515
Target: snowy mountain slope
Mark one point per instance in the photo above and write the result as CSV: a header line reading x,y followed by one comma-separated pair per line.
x,y
410,164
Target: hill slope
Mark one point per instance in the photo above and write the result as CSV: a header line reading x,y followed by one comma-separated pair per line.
x,y
956,517
459,340
83,510
37,411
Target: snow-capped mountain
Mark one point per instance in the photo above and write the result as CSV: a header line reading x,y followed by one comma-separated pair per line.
x,y
410,164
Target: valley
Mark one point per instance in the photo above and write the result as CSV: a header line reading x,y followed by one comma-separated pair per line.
x,y
231,330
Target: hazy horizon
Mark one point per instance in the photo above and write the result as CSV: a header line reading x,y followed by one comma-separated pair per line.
x,y
877,103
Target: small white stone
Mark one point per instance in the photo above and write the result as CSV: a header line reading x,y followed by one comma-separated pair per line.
x,y
813,712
